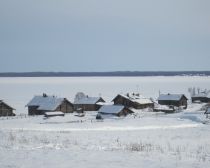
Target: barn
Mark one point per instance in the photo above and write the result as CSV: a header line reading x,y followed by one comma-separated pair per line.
x,y
41,104
133,100
173,100
5,109
117,110
88,103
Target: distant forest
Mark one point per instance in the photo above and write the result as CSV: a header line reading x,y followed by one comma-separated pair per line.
x,y
114,73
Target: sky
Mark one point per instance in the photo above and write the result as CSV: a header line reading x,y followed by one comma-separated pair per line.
x,y
104,35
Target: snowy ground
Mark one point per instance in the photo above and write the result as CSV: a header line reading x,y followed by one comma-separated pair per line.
x,y
145,140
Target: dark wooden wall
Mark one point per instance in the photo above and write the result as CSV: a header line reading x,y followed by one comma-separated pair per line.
x,y
87,107
182,102
5,110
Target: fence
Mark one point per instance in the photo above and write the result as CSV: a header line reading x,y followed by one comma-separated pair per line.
x,y
16,117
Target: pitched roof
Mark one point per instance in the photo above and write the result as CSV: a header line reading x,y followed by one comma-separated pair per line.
x,y
136,98
45,102
111,109
2,102
173,97
88,100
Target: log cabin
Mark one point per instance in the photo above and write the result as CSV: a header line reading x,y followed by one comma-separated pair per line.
x,y
88,103
41,104
176,100
133,100
5,109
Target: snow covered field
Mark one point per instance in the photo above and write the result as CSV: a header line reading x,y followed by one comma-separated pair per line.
x,y
145,140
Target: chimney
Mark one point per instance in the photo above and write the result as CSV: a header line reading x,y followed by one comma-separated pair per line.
x,y
44,95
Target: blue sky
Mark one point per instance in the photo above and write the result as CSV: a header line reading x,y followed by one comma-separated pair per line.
x,y
104,35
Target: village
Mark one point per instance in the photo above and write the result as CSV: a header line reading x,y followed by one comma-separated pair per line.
x,y
96,119
121,104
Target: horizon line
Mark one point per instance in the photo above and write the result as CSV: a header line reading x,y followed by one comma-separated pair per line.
x,y
104,74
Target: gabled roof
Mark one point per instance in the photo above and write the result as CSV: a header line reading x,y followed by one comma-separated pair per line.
x,y
172,97
135,98
89,100
2,102
111,109
45,102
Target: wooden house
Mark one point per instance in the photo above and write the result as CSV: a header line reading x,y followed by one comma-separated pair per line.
x,y
41,104
201,97
116,110
173,100
135,101
88,103
5,109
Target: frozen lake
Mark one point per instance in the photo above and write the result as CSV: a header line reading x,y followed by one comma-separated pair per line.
x,y
19,91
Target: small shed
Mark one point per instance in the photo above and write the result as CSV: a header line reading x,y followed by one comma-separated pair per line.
x,y
53,114
164,108
5,109
117,110
133,100
207,112
41,104
173,100
88,103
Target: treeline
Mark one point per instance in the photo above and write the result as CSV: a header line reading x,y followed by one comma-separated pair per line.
x,y
114,73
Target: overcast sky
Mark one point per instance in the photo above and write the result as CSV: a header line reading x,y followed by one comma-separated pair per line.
x,y
104,35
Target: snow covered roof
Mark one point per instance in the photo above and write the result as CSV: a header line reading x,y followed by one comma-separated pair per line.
x,y
88,100
54,113
174,97
104,103
143,101
163,107
137,98
111,109
45,102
